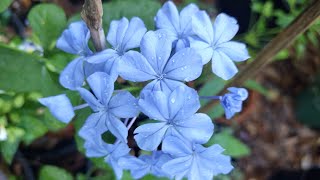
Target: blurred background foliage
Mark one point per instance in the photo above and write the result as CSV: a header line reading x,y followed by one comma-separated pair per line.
x,y
30,65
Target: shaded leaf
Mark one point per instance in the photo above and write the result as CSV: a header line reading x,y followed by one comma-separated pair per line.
x,y
48,172
4,4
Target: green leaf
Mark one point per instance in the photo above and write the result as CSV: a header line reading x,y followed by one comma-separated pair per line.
x,y
10,146
145,9
47,22
51,122
233,146
34,128
267,9
216,111
4,4
22,72
48,172
212,87
254,85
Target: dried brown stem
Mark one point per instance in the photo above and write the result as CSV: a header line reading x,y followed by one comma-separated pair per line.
x,y
281,41
92,13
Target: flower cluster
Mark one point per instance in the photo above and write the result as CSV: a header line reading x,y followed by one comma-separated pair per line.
x,y
168,57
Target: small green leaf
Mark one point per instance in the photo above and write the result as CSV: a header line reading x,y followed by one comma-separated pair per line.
x,y
47,22
267,9
48,172
254,85
34,128
10,146
22,72
4,4
233,146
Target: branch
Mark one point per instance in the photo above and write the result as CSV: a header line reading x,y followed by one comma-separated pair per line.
x,y
281,41
92,13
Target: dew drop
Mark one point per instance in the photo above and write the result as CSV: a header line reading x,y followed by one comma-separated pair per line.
x,y
173,100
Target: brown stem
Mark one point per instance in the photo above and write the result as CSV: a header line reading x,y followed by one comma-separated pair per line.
x,y
92,13
281,41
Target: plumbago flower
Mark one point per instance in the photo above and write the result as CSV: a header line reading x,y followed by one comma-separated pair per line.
x,y
168,57
213,42
177,25
107,109
156,63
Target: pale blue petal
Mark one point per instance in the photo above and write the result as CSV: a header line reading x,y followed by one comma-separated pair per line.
x,y
134,34
95,124
130,163
90,68
75,39
235,50
202,26
102,56
168,17
154,85
184,102
168,85
181,44
149,136
194,173
90,99
198,128
117,128
225,28
178,167
185,65
156,48
117,32
135,67
241,93
203,48
102,86
120,150
95,146
72,76
123,105
223,66
185,18
176,147
59,106
149,106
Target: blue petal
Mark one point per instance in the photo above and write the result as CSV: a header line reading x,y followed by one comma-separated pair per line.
x,y
186,19
72,76
176,147
168,17
225,28
178,167
156,48
223,66
90,99
235,50
135,67
184,102
117,128
95,146
130,163
102,85
149,136
202,26
117,32
181,44
198,128
150,106
102,56
134,34
123,105
185,65
75,39
203,48
95,124
59,106
90,68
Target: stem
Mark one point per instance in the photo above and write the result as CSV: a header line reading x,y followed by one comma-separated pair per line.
x,y
131,122
81,106
281,41
91,14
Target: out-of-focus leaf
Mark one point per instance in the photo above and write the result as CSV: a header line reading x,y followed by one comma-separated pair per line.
x,y
211,87
267,9
48,172
282,55
254,85
9,147
151,177
233,146
34,128
216,111
4,4
22,72
145,9
47,22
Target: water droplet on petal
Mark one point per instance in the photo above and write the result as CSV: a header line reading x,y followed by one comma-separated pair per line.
x,y
173,100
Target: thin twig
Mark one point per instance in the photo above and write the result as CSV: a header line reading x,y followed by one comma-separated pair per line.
x,y
92,13
281,41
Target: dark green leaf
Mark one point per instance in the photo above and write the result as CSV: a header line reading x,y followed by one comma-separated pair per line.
x,y
34,128
47,22
10,146
48,172
22,72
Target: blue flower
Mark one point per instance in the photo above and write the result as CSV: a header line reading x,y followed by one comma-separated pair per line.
x,y
156,64
178,25
176,115
107,109
59,106
96,147
145,164
193,160
123,36
213,42
232,102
